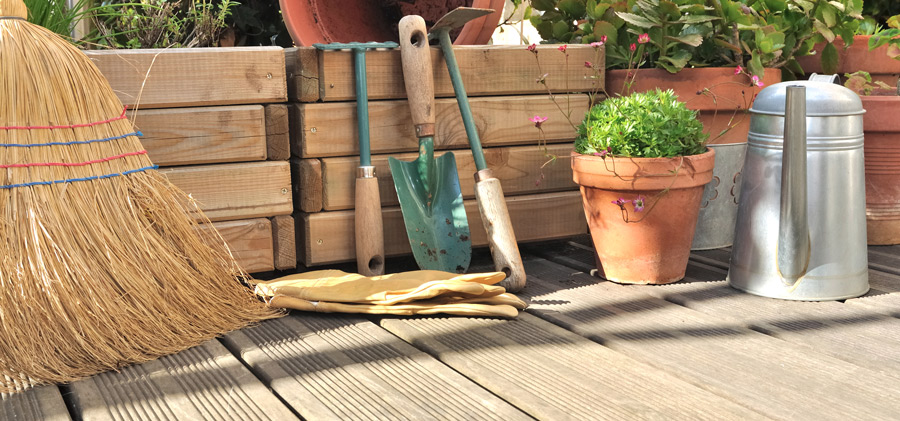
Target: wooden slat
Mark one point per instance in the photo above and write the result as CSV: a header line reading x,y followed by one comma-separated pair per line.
x,y
203,135
328,237
251,241
278,136
302,74
486,70
202,383
518,168
184,77
345,367
782,380
329,129
285,244
554,374
237,191
307,184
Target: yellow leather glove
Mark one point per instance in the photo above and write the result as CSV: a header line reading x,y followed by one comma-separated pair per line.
x,y
406,293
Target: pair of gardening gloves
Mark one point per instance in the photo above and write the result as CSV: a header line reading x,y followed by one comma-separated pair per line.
x,y
405,293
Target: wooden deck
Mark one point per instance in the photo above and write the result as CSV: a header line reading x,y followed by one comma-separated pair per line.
x,y
585,349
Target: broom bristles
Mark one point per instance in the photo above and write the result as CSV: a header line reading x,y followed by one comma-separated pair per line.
x,y
102,263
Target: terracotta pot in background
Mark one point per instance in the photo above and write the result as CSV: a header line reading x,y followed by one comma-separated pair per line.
x,y
727,93
324,21
882,155
655,249
856,57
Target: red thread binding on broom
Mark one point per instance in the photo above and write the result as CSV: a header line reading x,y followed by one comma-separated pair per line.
x,y
73,164
71,126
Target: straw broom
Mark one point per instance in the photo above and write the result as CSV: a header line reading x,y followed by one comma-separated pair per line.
x,y
101,264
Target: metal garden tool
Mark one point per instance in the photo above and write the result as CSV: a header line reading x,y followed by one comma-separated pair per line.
x,y
428,188
369,225
488,192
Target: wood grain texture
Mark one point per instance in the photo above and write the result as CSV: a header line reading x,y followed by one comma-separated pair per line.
x,y
308,183
518,168
302,73
284,234
203,135
182,77
278,136
369,226
251,243
500,235
486,70
327,237
329,129
418,76
237,191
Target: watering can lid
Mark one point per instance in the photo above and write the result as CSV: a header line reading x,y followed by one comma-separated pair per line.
x,y
822,99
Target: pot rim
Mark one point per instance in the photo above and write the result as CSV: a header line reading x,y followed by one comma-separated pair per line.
x,y
644,174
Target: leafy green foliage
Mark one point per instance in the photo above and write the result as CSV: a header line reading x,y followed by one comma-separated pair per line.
x,y
650,124
888,36
162,23
861,83
57,16
753,34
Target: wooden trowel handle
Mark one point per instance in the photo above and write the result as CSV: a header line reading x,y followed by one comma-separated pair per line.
x,y
417,74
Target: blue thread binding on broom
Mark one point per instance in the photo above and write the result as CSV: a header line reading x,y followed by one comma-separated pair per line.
x,y
70,180
74,142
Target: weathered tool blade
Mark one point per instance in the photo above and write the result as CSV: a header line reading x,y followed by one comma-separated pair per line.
x,y
433,212
459,17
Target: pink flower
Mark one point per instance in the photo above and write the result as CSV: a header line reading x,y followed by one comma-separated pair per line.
x,y
532,48
638,203
601,153
596,44
620,202
755,80
562,48
738,70
603,39
538,120
589,65
632,47
643,38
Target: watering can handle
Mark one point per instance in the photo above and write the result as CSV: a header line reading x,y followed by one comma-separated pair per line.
x,y
815,77
417,73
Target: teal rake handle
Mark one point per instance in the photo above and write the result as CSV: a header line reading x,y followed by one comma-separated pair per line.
x,y
462,99
362,90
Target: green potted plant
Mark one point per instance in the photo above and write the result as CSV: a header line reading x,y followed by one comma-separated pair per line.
x,y
882,156
641,161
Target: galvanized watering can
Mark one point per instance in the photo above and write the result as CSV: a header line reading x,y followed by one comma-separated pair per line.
x,y
801,222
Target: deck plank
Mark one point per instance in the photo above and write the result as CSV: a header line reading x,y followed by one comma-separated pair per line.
x,y
552,373
202,383
34,404
715,352
346,367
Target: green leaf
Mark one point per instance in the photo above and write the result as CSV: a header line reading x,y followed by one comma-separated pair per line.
x,y
694,40
755,65
728,45
669,9
676,61
590,7
822,29
829,15
636,20
691,19
837,5
573,8
776,5
602,28
543,5
893,51
600,9
560,29
829,59
544,28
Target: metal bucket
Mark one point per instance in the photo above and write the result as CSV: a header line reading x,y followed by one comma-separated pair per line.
x,y
718,209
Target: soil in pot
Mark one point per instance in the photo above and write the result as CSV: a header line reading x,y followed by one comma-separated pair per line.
x,y
653,246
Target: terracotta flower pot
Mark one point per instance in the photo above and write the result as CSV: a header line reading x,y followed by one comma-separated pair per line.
x,y
882,155
726,94
653,247
856,57
323,21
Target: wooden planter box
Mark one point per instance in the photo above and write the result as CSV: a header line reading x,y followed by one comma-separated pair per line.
x,y
501,82
215,121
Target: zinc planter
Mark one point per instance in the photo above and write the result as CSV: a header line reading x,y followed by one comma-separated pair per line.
x,y
653,248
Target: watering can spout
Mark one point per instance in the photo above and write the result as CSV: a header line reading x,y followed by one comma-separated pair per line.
x,y
793,250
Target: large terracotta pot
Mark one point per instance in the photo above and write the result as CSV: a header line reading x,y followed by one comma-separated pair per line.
x,y
882,155
721,97
856,57
324,21
654,245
